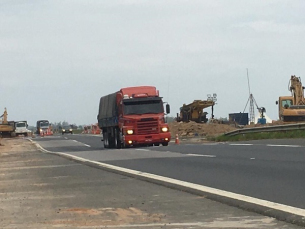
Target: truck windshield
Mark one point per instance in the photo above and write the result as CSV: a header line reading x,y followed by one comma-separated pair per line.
x,y
286,103
20,124
143,107
44,124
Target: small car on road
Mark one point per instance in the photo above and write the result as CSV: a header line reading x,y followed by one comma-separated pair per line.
x,y
66,130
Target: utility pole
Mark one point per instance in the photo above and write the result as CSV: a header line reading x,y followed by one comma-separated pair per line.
x,y
214,99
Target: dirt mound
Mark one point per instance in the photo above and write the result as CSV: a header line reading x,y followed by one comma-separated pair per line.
x,y
192,129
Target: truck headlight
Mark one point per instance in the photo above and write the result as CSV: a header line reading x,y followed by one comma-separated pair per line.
x,y
129,131
63,130
40,130
164,129
70,130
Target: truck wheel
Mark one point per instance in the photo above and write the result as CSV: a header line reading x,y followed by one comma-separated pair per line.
x,y
165,143
156,144
105,136
117,139
106,145
111,139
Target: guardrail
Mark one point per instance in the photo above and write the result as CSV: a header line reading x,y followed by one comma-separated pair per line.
x,y
299,126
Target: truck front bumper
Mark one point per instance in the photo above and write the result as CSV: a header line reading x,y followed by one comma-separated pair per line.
x,y
147,139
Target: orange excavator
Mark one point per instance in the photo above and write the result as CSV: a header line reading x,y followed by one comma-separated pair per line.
x,y
7,128
292,108
194,111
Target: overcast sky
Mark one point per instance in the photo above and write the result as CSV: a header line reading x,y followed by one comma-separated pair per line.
x,y
57,57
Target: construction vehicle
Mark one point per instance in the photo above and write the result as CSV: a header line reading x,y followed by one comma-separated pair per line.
x,y
133,116
292,108
7,128
194,111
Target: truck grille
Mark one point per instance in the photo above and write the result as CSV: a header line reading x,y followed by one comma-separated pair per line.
x,y
147,126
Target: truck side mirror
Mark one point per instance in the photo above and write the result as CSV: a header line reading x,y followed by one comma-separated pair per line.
x,y
276,102
167,107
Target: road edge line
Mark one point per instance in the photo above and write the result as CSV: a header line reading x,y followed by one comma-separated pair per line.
x,y
291,214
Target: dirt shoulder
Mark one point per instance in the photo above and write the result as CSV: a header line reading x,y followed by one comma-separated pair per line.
x,y
193,129
40,190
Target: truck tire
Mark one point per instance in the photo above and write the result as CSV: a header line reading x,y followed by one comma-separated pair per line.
x,y
165,143
111,137
117,140
105,136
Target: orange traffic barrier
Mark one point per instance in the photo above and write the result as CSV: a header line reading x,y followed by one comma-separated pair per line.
x,y
177,140
95,129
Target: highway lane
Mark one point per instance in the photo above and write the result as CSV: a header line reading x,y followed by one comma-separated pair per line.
x,y
274,172
39,190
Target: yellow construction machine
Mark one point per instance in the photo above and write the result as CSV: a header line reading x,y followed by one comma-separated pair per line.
x,y
6,128
194,111
292,108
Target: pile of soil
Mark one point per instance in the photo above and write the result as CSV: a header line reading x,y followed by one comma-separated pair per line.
x,y
193,129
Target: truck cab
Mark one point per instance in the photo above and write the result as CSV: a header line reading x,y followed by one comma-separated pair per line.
x,y
43,127
21,128
288,112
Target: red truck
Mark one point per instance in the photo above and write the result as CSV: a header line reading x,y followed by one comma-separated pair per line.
x,y
133,116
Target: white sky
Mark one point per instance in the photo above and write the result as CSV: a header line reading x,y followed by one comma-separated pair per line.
x,y
58,57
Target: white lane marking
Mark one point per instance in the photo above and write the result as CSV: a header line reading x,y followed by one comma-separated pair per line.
x,y
143,149
38,167
210,144
90,135
293,146
241,144
204,189
200,155
255,201
66,138
252,158
82,143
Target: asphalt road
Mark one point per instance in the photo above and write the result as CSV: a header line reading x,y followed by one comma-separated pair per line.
x,y
40,190
272,170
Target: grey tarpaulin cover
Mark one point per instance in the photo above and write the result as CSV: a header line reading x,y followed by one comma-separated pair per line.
x,y
108,111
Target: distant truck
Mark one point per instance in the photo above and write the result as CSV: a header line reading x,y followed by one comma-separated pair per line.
x,y
43,127
133,116
21,128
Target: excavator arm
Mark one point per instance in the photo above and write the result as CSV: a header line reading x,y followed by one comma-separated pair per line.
x,y
297,90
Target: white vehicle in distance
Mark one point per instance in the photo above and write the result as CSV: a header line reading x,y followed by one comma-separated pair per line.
x,y
21,128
